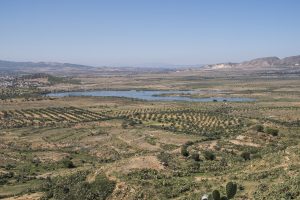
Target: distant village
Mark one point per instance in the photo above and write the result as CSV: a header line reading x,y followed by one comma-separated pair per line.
x,y
10,81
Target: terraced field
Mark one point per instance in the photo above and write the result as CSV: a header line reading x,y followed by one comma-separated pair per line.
x,y
46,117
189,121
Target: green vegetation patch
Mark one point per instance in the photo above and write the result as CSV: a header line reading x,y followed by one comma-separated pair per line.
x,y
76,187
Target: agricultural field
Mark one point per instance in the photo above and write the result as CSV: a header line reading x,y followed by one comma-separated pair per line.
x,y
149,100
119,148
186,121
46,117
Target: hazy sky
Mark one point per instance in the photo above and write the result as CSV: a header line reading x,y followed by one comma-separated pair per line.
x,y
123,32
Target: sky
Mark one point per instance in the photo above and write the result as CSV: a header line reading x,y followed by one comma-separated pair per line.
x,y
136,32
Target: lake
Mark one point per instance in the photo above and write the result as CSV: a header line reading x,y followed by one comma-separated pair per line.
x,y
150,95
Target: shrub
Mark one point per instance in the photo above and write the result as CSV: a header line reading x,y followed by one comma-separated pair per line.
x,y
36,161
194,167
189,143
164,158
223,162
259,128
246,155
208,155
3,181
216,195
67,163
184,151
5,176
10,166
196,156
231,189
271,131
241,187
150,140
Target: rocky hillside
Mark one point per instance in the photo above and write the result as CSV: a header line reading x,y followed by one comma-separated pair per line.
x,y
259,63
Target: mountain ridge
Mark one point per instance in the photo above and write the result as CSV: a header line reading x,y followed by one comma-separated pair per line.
x,y
56,68
259,63
263,63
5,64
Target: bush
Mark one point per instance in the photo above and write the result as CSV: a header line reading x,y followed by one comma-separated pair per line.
x,y
75,187
194,167
216,195
271,131
223,162
10,166
246,155
196,157
259,128
208,155
36,161
164,158
3,181
5,176
67,163
189,143
184,151
231,189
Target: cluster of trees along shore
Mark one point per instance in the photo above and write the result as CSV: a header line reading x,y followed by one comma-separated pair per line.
x,y
29,86
26,93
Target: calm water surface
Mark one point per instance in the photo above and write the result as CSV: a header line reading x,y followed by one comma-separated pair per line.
x,y
150,95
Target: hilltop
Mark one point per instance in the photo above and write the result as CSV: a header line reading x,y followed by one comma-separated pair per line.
x,y
69,69
42,67
259,64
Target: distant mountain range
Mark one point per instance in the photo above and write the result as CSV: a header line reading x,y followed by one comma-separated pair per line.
x,y
41,67
66,69
259,63
12,64
290,64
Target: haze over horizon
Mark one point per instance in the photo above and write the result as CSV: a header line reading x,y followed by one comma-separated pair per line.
x,y
137,32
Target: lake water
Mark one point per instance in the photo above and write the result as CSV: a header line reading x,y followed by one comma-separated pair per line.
x,y
150,95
